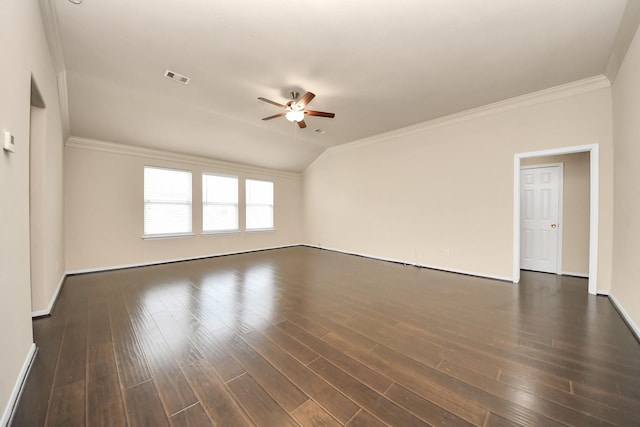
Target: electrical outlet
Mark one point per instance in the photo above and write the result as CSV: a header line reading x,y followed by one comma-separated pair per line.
x,y
447,252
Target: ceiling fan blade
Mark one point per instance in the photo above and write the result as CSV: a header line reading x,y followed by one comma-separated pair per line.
x,y
274,116
305,99
319,114
268,101
302,124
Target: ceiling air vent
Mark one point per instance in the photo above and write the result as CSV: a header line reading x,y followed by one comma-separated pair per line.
x,y
172,75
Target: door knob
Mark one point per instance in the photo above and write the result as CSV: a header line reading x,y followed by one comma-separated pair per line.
x,y
554,225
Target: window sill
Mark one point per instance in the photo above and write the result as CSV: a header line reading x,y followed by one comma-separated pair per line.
x,y
166,236
219,233
260,230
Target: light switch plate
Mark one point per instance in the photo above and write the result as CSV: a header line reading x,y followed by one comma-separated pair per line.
x,y
9,142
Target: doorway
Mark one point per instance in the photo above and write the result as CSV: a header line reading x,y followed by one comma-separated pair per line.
x,y
594,185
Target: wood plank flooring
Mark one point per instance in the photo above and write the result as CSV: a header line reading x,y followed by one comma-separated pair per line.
x,y
306,337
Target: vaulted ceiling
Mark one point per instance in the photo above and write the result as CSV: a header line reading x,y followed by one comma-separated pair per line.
x,y
379,65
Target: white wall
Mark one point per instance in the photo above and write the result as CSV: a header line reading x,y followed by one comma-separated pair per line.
x,y
25,54
626,242
441,193
104,207
575,218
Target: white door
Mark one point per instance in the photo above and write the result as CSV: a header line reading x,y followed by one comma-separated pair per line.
x,y
539,214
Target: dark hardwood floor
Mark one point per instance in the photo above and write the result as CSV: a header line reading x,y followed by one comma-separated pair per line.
x,y
302,336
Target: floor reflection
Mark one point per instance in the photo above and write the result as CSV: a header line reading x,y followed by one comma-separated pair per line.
x,y
354,335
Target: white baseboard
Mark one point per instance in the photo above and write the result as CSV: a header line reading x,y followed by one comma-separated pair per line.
x,y
429,266
169,261
628,320
54,298
570,273
7,416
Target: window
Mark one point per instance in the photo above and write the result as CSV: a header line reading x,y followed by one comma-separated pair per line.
x,y
219,203
167,202
259,205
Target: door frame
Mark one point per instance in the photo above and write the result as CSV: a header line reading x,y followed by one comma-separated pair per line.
x,y
560,208
594,187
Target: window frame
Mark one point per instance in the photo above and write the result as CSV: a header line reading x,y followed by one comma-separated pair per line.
x,y
247,205
147,202
205,203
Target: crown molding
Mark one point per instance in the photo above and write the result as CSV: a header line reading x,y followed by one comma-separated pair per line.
x,y
534,98
149,153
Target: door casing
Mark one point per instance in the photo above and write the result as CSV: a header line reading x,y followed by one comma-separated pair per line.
x,y
594,203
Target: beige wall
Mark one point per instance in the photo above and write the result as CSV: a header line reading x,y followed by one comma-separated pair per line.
x,y
626,243
104,208
25,54
441,194
575,206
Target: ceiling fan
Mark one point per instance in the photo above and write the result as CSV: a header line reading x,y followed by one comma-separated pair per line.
x,y
294,110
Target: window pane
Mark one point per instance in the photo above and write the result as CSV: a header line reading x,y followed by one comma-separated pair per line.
x,y
167,185
219,203
259,204
167,218
220,217
259,216
167,201
259,192
219,189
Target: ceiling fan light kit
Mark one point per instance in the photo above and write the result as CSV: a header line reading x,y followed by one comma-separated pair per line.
x,y
294,110
295,115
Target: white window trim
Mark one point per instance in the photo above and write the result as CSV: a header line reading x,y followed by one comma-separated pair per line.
x,y
237,205
166,236
170,235
217,233
259,230
272,206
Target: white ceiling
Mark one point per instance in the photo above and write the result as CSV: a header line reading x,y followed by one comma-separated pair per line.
x,y
379,65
